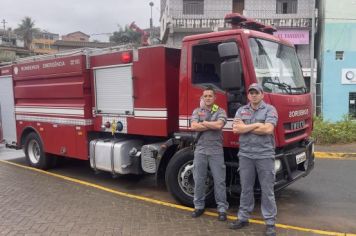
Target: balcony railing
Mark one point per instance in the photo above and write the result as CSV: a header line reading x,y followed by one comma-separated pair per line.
x,y
285,22
215,19
198,23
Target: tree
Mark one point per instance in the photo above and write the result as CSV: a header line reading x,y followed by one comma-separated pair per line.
x,y
125,36
26,30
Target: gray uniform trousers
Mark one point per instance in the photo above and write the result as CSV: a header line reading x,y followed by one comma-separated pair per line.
x,y
266,175
218,170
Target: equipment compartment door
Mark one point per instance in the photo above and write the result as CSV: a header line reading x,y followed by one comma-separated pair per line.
x,y
7,115
113,90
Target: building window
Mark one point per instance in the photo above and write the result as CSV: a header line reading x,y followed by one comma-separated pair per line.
x,y
352,105
287,6
193,7
339,55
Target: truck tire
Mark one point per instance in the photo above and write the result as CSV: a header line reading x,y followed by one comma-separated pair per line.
x,y
179,178
35,155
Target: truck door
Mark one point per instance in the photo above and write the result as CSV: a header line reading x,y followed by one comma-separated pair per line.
x,y
205,70
7,113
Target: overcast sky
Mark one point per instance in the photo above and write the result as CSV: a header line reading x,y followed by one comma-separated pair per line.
x,y
89,16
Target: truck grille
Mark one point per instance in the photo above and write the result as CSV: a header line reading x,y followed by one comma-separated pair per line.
x,y
294,134
295,129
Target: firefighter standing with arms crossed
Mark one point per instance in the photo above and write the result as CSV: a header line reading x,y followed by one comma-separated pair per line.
x,y
208,120
255,123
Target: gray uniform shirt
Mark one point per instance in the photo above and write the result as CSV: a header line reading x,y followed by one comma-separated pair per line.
x,y
253,145
210,141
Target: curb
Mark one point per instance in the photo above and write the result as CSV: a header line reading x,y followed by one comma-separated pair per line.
x,y
335,155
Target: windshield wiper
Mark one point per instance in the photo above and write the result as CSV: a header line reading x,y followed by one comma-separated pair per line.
x,y
304,89
285,87
281,85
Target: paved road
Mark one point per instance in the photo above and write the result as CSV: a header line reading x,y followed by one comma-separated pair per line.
x,y
33,203
324,200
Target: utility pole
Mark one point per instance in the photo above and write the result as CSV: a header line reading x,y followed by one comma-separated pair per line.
x,y
4,23
151,23
312,76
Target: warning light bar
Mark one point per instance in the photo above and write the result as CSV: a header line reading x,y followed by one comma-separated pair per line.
x,y
235,19
269,29
239,21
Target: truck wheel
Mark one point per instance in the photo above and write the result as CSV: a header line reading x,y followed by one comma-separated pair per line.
x,y
34,152
179,178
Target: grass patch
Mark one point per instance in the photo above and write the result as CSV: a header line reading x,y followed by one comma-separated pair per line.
x,y
326,132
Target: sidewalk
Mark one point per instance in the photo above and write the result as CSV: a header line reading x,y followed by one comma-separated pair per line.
x,y
336,150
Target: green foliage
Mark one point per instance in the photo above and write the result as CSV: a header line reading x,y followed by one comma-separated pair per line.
x,y
126,36
326,132
26,30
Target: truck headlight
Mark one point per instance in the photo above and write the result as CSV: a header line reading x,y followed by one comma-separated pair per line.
x,y
277,165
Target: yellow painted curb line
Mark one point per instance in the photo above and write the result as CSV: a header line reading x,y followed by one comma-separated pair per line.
x,y
172,205
335,155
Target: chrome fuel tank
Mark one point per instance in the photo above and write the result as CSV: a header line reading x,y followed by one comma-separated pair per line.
x,y
118,156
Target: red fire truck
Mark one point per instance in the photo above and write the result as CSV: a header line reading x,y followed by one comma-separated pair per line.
x,y
128,111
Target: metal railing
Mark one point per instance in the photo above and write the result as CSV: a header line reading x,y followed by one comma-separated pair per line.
x,y
212,19
198,23
284,22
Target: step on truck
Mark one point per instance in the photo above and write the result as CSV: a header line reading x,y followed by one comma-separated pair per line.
x,y
127,111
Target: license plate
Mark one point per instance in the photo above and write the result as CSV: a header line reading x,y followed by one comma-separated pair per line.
x,y
300,157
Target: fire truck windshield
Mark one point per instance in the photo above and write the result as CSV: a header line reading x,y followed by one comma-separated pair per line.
x,y
277,67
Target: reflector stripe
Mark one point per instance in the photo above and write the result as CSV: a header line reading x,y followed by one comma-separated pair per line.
x,y
70,111
228,125
55,120
183,122
150,118
151,112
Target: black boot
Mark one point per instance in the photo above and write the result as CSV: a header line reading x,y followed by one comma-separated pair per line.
x,y
270,230
197,212
238,224
222,216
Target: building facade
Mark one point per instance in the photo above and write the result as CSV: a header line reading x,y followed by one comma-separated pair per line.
x,y
337,63
180,18
42,42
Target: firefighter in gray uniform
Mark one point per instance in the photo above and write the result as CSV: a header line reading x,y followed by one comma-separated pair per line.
x,y
255,123
208,120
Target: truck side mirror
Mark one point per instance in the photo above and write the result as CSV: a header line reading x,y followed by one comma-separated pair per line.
x,y
230,68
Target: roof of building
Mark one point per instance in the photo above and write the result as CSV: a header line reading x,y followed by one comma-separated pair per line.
x,y
83,44
77,32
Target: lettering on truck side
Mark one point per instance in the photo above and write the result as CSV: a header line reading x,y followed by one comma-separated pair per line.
x,y
298,113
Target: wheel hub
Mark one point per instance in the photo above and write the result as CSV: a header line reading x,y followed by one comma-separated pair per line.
x,y
34,151
186,181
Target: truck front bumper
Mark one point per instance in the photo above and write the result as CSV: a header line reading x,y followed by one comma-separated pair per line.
x,y
295,164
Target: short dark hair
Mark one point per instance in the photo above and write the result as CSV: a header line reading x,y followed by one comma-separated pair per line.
x,y
209,87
